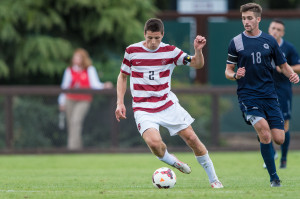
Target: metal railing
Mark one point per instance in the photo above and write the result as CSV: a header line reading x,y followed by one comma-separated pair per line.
x,y
9,92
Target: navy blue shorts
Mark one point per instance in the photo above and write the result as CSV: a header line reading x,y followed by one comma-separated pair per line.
x,y
285,101
269,109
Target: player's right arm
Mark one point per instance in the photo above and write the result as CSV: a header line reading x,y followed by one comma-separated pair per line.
x,y
229,71
231,75
121,90
232,61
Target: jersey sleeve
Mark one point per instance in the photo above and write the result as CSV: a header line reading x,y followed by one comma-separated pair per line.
x,y
94,80
66,83
232,54
293,58
126,65
180,57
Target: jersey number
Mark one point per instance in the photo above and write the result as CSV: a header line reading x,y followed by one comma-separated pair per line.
x,y
256,58
151,75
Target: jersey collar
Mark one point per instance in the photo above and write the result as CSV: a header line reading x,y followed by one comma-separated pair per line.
x,y
281,42
149,50
244,33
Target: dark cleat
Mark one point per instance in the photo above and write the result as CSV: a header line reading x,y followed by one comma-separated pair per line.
x,y
282,165
275,183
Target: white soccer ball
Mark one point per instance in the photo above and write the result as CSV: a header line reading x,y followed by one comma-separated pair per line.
x,y
164,178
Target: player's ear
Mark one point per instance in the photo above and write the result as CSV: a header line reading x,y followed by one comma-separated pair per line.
x,y
258,19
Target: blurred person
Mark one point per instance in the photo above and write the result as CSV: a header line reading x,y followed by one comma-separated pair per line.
x,y
255,54
79,75
150,64
283,85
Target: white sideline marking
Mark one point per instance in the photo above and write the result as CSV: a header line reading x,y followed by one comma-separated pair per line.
x,y
17,191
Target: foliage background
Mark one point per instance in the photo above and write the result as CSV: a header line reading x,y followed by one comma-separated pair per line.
x,y
37,37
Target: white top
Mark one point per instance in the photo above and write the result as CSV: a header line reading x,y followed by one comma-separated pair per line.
x,y
67,80
150,75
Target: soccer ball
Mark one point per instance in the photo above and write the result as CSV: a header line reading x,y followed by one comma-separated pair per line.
x,y
164,178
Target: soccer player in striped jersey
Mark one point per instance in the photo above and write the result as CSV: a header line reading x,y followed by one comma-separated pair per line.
x,y
150,64
256,54
282,84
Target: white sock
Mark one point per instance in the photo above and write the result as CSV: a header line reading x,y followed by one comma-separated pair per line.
x,y
168,158
208,166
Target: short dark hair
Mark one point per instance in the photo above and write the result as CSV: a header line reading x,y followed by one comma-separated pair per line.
x,y
154,25
277,20
253,7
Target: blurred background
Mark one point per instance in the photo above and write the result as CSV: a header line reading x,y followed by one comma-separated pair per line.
x,y
38,37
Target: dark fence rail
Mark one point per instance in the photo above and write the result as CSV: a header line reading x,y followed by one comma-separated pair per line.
x,y
9,92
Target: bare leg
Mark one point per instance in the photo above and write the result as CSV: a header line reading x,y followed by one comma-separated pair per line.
x,y
154,141
265,134
201,153
192,140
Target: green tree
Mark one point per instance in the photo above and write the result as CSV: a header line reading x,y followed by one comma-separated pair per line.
x,y
37,37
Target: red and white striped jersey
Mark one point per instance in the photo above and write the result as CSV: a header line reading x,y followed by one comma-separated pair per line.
x,y
150,75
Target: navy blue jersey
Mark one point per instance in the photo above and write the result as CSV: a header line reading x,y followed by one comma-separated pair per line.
x,y
282,83
259,55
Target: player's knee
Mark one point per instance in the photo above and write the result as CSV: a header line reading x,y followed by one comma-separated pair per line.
x,y
156,144
191,139
265,137
279,140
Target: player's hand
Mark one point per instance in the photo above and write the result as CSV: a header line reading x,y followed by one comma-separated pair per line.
x,y
240,73
294,78
108,85
120,112
199,42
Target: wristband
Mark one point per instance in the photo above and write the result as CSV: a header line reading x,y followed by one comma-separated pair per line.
x,y
234,76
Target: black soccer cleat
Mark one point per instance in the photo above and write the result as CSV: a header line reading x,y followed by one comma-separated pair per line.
x,y
282,165
275,183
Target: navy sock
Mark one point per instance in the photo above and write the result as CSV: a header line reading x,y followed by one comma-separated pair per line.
x,y
273,148
267,153
285,146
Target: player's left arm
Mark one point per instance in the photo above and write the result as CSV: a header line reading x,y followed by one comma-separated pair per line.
x,y
289,73
296,68
197,61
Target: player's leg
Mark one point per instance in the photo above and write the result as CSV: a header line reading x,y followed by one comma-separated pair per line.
x,y
192,140
278,136
285,145
154,141
275,155
263,130
201,153
285,100
158,147
148,126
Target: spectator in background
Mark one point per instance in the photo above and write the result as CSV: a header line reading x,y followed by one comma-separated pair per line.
x,y
80,75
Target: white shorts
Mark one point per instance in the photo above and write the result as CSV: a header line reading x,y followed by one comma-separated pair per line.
x,y
175,118
253,119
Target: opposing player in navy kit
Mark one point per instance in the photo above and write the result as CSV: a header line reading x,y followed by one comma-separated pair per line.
x,y
282,84
256,54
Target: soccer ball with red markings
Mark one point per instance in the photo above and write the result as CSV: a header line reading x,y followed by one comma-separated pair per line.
x,y
164,178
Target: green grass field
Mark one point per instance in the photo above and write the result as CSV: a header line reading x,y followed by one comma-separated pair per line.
x,y
129,176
